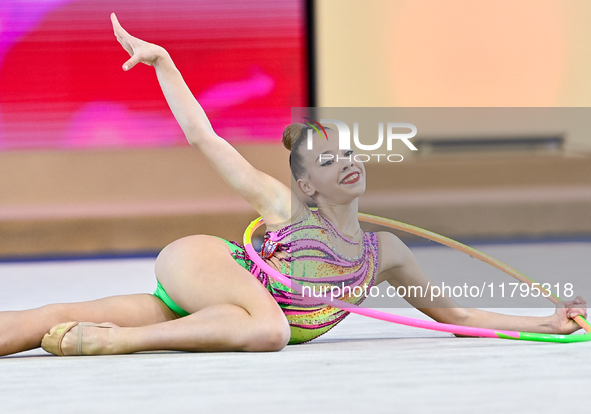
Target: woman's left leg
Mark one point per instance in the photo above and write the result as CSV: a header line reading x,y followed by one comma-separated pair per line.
x,y
217,328
230,310
23,330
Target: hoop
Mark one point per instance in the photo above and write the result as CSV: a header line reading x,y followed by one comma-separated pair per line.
x,y
403,320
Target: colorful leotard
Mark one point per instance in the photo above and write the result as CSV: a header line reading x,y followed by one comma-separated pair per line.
x,y
316,255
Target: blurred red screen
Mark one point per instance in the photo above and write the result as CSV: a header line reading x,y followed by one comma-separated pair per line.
x,y
62,85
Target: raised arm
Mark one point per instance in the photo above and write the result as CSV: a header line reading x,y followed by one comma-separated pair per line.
x,y
405,271
268,196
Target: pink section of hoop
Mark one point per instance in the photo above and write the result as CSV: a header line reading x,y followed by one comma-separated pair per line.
x,y
372,313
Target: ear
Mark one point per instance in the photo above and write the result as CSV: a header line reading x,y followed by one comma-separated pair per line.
x,y
306,188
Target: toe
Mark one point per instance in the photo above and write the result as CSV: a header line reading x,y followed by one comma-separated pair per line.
x,y
51,341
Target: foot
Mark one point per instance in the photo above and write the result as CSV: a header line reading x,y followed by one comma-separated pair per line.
x,y
84,338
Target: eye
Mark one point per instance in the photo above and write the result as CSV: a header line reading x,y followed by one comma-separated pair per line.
x,y
325,163
348,152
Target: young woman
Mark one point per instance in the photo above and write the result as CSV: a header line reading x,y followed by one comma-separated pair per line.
x,y
211,297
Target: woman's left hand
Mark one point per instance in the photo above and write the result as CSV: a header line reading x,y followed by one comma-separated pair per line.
x,y
139,50
564,322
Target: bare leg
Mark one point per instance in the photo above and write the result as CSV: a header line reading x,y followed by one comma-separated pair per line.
x,y
216,328
23,330
230,310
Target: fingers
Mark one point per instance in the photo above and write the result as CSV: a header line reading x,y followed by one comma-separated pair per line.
x,y
117,26
577,312
115,23
120,33
134,60
576,307
125,39
578,302
122,36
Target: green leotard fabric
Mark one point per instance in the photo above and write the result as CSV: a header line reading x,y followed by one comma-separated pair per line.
x,y
161,293
239,256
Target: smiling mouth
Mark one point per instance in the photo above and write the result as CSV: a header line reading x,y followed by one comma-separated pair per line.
x,y
351,178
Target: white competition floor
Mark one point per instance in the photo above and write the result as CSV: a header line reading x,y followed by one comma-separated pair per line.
x,y
362,365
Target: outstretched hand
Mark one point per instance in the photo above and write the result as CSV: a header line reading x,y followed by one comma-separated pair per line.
x,y
139,50
566,312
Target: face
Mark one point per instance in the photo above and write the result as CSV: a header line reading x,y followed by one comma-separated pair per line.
x,y
329,180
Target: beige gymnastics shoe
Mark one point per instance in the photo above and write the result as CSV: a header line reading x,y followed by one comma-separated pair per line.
x,y
52,341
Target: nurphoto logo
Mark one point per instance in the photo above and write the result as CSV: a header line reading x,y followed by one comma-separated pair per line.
x,y
345,139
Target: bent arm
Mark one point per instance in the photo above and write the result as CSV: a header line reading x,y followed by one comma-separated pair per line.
x,y
269,197
407,272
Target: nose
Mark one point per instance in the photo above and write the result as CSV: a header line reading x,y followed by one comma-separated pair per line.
x,y
347,164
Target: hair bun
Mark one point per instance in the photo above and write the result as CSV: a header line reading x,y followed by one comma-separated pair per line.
x,y
291,134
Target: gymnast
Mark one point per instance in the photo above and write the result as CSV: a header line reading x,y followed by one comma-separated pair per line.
x,y
211,297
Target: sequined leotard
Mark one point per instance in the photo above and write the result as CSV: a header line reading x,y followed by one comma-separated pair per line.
x,y
317,256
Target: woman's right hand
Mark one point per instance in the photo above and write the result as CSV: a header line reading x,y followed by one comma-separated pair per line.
x,y
139,50
565,314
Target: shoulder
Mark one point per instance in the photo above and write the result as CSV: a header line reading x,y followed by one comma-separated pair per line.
x,y
299,212
393,251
